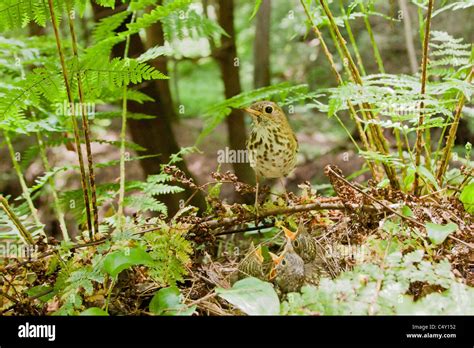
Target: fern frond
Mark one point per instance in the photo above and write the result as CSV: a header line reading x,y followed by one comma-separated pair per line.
x,y
156,15
214,116
190,24
105,28
119,72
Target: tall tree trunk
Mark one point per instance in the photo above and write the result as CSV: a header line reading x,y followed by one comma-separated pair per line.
x,y
156,135
229,63
261,46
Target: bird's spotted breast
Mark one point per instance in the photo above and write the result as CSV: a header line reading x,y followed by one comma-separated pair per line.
x,y
272,153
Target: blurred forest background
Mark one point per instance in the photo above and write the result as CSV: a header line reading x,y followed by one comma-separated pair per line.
x,y
128,209
275,46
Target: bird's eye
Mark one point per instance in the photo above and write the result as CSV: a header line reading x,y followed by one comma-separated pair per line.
x,y
296,243
268,109
283,262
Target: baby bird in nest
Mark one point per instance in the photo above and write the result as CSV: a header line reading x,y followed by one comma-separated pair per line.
x,y
310,251
253,264
288,269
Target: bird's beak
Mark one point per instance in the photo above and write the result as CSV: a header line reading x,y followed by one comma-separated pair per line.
x,y
258,252
272,274
276,259
253,112
290,235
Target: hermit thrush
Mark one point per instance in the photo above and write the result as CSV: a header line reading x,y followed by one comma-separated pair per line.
x,y
305,245
288,269
252,264
308,248
272,145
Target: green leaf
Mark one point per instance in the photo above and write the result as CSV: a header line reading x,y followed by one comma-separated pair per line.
x,y
41,289
255,9
425,173
95,311
438,233
168,301
252,296
467,198
406,211
117,261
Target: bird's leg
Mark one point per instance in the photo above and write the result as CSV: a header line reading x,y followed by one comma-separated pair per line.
x,y
285,194
256,199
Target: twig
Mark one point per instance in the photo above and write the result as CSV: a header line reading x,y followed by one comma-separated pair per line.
x,y
374,199
375,48
241,230
123,133
77,140
213,224
352,39
379,140
85,126
339,81
208,296
452,134
413,221
419,132
27,237
21,179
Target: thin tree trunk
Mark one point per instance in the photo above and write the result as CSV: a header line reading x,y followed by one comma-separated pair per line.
x,y
261,46
229,63
156,135
405,15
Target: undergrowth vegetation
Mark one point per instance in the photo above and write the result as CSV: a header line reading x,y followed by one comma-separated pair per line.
x,y
399,243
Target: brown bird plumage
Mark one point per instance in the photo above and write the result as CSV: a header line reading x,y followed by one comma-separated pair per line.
x,y
272,144
252,264
288,270
308,248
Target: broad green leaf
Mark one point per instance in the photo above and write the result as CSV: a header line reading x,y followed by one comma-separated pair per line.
x,y
406,211
167,301
438,233
467,198
117,261
252,296
94,311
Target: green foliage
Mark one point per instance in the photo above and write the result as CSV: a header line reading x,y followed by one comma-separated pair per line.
x,y
449,56
155,185
157,14
18,13
252,296
467,198
171,254
9,231
356,292
169,301
438,233
214,116
93,311
186,24
74,281
119,260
